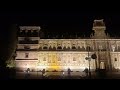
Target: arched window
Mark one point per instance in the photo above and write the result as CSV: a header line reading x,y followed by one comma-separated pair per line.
x,y
59,47
64,48
68,46
115,59
45,46
50,47
73,47
78,47
113,48
54,48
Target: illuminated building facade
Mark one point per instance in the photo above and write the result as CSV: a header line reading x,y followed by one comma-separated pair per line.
x,y
60,54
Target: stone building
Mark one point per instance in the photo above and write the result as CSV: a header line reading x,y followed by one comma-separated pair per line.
x,y
60,54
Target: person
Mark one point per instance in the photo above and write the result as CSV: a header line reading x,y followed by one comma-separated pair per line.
x,y
63,73
69,71
27,74
28,70
86,72
43,72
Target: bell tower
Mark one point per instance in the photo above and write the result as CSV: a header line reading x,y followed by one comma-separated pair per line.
x,y
27,47
101,45
99,29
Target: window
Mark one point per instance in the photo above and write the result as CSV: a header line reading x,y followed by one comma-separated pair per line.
x,y
27,39
68,47
59,59
113,48
74,59
102,65
115,59
73,47
53,61
49,61
59,47
44,59
50,47
26,47
54,48
45,47
64,47
100,47
26,55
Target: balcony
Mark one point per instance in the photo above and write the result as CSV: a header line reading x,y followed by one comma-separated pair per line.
x,y
63,49
28,42
28,35
27,50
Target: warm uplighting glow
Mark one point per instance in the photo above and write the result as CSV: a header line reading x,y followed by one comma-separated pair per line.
x,y
61,54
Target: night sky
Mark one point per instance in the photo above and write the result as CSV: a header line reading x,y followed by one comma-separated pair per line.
x,y
56,22
61,21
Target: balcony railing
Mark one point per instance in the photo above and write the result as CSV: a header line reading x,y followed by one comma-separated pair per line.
x,y
28,35
27,50
63,49
28,42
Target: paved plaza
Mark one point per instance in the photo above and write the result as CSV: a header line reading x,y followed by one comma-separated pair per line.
x,y
50,75
60,75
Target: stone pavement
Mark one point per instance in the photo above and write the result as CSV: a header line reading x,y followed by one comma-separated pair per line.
x,y
50,75
59,75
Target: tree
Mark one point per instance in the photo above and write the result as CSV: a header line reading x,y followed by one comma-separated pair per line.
x,y
11,48
11,63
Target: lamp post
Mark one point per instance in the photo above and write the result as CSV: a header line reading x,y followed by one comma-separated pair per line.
x,y
37,71
89,59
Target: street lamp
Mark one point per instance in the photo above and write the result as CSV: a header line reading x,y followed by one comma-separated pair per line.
x,y
89,59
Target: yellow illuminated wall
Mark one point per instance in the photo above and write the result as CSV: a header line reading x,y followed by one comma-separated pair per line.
x,y
63,60
57,61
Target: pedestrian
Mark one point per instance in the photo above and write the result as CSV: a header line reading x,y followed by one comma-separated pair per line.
x,y
63,73
86,72
28,70
69,72
43,72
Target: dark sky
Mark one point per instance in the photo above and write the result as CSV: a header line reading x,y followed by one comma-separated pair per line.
x,y
60,21
56,21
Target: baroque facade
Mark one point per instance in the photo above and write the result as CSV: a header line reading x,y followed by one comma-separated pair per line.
x,y
60,54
